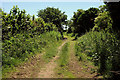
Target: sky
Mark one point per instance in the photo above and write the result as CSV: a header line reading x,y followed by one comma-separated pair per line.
x,y
33,7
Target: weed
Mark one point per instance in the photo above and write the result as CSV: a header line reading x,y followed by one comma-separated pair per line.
x,y
103,49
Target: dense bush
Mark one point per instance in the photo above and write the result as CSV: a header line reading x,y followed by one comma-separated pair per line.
x,y
24,36
103,21
113,8
102,44
54,15
22,46
17,21
103,48
83,20
14,22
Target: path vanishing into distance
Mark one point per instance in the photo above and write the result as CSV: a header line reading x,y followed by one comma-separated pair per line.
x,y
36,67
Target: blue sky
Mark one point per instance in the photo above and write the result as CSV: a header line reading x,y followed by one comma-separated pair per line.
x,y
67,7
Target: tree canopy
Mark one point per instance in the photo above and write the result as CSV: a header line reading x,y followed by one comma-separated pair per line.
x,y
84,20
114,9
103,20
54,15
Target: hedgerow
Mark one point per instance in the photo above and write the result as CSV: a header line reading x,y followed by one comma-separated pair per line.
x,y
23,36
104,50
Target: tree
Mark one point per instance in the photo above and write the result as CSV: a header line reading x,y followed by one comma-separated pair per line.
x,y
70,26
0,18
33,17
54,15
103,20
114,9
84,20
75,20
103,8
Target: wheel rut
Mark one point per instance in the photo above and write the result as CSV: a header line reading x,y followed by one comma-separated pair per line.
x,y
80,69
48,70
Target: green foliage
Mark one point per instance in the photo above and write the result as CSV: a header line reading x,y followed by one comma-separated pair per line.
x,y
113,8
53,15
40,25
70,26
17,21
24,36
103,21
0,18
103,8
52,38
64,55
62,69
84,20
75,20
33,17
103,48
20,47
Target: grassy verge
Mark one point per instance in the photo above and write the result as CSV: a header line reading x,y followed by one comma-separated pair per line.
x,y
62,69
21,47
51,50
64,55
102,48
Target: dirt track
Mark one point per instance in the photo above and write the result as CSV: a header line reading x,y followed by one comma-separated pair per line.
x,y
38,68
48,70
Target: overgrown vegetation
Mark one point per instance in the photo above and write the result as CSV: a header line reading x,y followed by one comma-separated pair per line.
x,y
19,48
83,20
53,42
102,44
97,31
54,15
24,36
64,55
103,48
62,69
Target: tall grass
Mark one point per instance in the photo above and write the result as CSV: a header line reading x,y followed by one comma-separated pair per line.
x,y
51,48
22,46
104,50
64,55
62,68
24,36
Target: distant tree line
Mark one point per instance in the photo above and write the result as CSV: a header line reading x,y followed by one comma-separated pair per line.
x,y
105,17
55,16
17,21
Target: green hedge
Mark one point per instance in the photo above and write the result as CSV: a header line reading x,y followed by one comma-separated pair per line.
x,y
104,50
